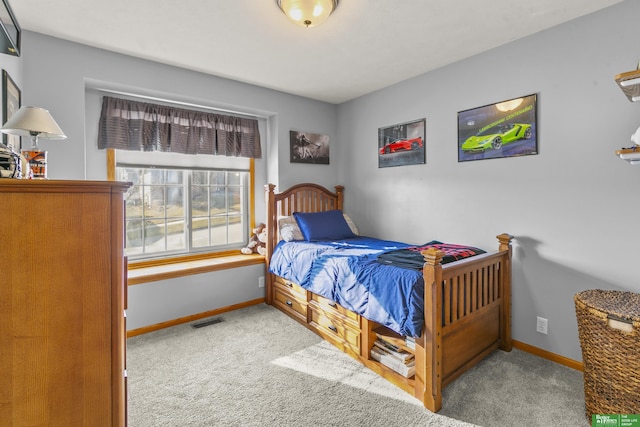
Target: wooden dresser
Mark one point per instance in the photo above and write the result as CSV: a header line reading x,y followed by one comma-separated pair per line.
x,y
62,302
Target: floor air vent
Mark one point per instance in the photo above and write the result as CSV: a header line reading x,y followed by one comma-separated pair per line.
x,y
208,322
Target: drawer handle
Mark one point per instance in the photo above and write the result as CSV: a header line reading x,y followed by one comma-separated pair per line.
x,y
333,305
289,284
333,328
289,303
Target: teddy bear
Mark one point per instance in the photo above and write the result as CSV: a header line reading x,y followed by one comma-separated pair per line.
x,y
257,242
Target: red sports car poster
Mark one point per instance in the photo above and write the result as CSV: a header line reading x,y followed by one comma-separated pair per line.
x,y
402,144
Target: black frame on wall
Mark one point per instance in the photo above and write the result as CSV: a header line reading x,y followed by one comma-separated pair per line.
x,y
503,129
11,34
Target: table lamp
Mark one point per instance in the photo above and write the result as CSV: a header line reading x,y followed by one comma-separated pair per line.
x,y
37,123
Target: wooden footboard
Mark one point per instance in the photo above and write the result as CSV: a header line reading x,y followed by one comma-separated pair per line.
x,y
467,305
470,316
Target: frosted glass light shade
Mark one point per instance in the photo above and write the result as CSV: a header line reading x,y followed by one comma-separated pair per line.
x,y
307,13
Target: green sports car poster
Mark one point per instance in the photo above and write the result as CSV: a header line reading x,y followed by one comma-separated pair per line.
x,y
504,129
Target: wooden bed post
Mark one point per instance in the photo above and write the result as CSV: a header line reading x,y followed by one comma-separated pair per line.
x,y
505,292
428,380
340,194
272,229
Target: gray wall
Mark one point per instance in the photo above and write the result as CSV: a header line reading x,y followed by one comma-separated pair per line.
x,y
156,302
62,77
57,74
571,207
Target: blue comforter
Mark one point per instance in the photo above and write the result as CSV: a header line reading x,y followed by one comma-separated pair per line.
x,y
347,272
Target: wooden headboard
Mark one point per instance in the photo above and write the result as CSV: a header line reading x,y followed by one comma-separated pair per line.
x,y
304,197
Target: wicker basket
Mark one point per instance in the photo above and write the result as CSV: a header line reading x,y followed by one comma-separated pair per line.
x,y
609,331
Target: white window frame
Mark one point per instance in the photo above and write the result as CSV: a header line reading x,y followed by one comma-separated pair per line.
x,y
116,157
187,187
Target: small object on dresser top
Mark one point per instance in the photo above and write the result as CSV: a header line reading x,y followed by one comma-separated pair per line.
x,y
10,163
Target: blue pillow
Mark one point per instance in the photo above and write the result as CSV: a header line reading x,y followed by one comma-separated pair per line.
x,y
327,225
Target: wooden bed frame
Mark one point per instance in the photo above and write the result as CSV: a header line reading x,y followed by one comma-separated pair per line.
x,y
467,307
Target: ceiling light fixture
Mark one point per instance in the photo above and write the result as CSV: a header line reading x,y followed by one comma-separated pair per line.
x,y
307,13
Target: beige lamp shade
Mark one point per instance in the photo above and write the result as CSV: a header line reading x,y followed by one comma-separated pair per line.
x,y
307,13
35,122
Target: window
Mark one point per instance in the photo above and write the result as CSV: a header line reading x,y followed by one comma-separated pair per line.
x,y
192,172
182,210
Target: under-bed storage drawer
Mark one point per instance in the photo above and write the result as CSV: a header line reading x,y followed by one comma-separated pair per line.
x,y
290,303
336,330
297,290
290,298
328,306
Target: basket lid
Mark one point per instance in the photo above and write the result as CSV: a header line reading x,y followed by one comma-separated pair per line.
x,y
620,304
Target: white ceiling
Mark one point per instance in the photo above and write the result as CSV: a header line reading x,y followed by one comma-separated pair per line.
x,y
364,46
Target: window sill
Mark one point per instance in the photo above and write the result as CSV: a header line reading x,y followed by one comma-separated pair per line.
x,y
154,273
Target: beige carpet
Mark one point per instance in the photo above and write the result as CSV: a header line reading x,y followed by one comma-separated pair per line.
x,y
260,368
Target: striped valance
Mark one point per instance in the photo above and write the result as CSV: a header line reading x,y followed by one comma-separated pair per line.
x,y
141,126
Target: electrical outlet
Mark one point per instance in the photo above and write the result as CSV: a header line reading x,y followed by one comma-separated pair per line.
x,y
261,282
541,325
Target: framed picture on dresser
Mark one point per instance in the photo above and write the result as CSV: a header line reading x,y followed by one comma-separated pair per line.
x,y
11,102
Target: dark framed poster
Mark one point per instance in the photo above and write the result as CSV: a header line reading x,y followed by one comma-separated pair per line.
x,y
306,147
504,129
402,144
